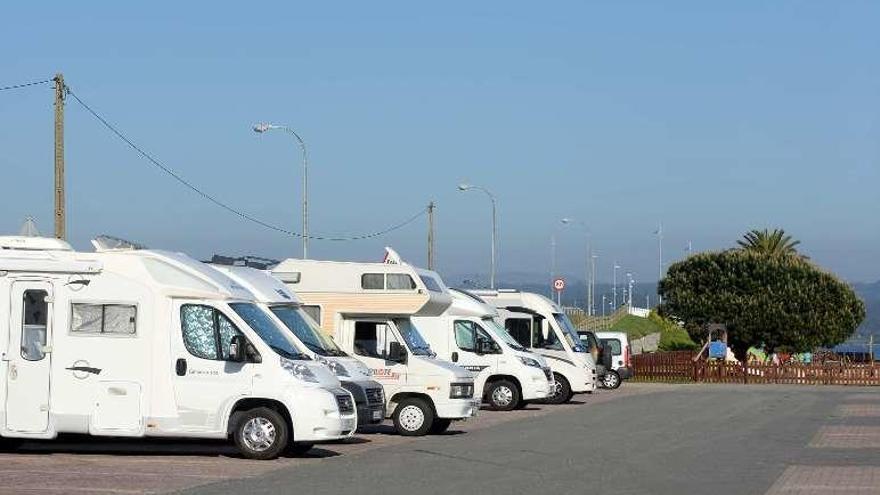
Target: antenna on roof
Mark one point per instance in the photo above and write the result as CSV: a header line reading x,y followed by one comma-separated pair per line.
x,y
29,228
110,243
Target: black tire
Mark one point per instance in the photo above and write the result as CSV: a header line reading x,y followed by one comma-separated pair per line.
x,y
562,392
611,380
522,404
413,417
10,444
502,395
261,433
439,426
299,448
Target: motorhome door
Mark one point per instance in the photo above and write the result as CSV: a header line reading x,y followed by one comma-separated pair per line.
x,y
28,357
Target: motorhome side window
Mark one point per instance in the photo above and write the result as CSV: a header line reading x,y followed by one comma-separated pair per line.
x,y
520,329
390,281
110,319
468,333
206,331
34,321
372,339
314,312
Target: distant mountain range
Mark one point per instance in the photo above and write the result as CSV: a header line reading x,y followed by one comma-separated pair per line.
x,y
575,293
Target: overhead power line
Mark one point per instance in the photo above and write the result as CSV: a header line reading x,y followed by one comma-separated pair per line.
x,y
246,216
25,85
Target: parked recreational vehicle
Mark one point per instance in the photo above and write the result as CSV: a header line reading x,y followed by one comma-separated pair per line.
x,y
133,342
468,335
367,308
540,325
287,310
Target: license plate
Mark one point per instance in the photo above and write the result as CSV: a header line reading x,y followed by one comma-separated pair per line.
x,y
377,415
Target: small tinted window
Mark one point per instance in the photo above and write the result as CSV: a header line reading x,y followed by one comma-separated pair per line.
x,y
35,311
399,281
372,339
431,283
373,281
115,319
466,335
613,345
520,329
314,312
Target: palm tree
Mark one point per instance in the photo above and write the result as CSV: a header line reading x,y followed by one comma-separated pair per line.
x,y
775,243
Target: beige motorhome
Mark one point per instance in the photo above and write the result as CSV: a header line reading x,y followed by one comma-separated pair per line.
x,y
367,309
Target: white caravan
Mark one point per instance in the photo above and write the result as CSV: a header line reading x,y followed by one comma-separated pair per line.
x,y
366,308
540,325
287,310
468,335
131,342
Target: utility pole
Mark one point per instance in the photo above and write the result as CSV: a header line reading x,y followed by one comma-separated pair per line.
x,y
552,262
60,210
431,235
659,258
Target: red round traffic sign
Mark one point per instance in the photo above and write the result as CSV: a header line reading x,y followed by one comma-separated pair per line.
x,y
559,284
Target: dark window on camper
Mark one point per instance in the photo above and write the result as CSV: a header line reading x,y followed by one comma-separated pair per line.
x,y
399,281
520,329
431,283
34,318
314,312
114,319
373,281
206,331
372,339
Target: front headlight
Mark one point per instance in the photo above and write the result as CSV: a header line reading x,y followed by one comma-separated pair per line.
x,y
461,390
529,361
299,371
337,368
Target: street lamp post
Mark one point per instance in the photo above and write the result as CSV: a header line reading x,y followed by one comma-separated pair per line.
x,y
264,127
589,267
614,285
468,187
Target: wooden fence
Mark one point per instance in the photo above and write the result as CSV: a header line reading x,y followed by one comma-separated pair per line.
x,y
679,367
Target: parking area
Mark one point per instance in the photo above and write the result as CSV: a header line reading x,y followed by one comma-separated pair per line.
x,y
90,465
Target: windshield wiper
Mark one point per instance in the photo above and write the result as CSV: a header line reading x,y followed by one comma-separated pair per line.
x,y
289,355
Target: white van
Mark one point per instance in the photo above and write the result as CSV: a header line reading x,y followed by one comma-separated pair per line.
x,y
133,343
468,335
615,355
367,309
287,310
541,326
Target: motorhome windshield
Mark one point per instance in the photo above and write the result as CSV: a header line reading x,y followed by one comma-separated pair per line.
x,y
570,333
413,338
505,337
305,330
266,329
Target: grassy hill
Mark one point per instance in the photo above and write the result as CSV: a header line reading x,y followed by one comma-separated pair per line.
x,y
672,337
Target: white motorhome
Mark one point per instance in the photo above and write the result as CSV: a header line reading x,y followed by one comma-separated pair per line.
x,y
287,310
468,335
541,326
133,343
367,309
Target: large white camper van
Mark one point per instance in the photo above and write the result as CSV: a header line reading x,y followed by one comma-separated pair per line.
x,y
367,309
540,325
287,310
132,342
468,335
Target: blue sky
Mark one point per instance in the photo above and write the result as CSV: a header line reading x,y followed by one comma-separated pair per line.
x,y
714,118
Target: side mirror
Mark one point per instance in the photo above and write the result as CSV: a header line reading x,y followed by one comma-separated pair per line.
x,y
237,348
396,352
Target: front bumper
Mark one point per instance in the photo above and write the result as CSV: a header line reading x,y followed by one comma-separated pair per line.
x,y
320,420
370,411
457,408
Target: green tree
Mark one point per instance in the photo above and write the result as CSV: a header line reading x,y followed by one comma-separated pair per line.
x,y
763,299
776,243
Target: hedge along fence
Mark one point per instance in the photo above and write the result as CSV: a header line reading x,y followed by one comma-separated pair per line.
x,y
679,367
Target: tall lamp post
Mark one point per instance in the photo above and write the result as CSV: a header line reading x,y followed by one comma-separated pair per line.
x,y
469,187
614,285
590,265
264,127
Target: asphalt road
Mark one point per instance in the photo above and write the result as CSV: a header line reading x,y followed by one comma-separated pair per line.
x,y
724,439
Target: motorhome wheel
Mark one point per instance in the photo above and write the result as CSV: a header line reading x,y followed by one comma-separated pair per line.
x,y
503,395
413,417
611,380
261,433
10,444
561,392
440,426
